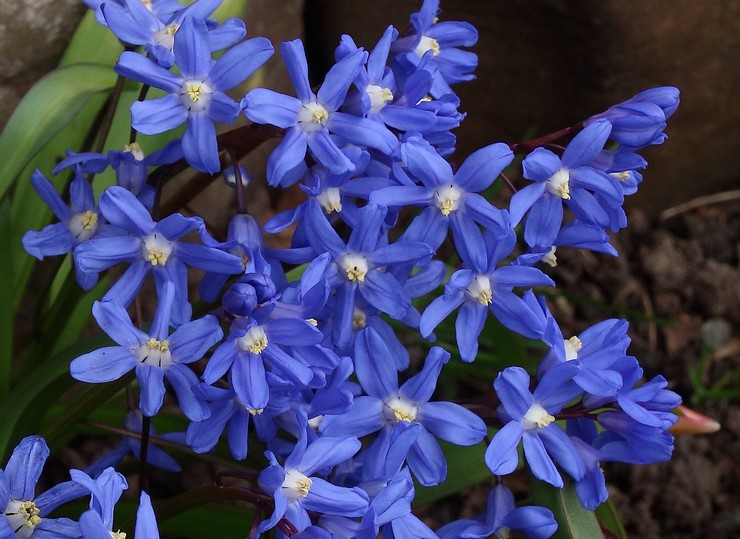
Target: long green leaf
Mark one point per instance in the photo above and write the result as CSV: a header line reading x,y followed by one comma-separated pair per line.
x,y
25,394
608,516
6,314
574,521
45,110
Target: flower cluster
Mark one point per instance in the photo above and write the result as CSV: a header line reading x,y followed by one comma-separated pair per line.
x,y
392,234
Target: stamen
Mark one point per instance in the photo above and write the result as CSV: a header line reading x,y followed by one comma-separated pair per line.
x,y
330,200
399,409
536,417
135,150
312,116
296,484
156,249
118,535
427,44
155,353
559,184
550,259
359,319
379,96
572,346
254,340
621,176
447,198
166,36
83,226
355,266
195,95
480,289
23,517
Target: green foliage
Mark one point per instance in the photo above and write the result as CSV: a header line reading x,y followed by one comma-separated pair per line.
x,y
574,522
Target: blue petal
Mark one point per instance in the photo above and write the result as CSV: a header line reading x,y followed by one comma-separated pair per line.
x,y
539,461
400,252
121,208
328,452
383,291
293,332
374,365
587,144
191,49
402,196
92,526
52,240
192,340
480,169
364,417
49,195
146,523
222,108
363,132
468,327
115,321
24,467
543,223
128,285
427,461
134,66
563,451
183,380
288,155
326,152
226,34
419,388
524,199
425,163
151,381
540,165
501,455
453,423
209,259
327,498
155,116
294,57
103,365
512,388
199,144
265,106
338,80
438,310
240,62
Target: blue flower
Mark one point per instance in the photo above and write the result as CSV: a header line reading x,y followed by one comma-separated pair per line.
x,y
387,405
80,222
105,491
155,355
439,42
450,199
296,487
150,247
197,94
23,513
501,515
482,288
529,418
135,24
313,117
570,180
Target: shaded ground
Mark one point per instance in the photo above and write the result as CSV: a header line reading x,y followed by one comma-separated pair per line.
x,y
678,281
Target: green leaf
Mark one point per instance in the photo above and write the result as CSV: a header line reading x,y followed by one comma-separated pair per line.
x,y
45,110
25,394
574,521
6,313
608,516
92,43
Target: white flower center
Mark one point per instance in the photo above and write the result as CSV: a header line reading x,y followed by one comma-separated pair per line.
x,y
447,198
572,346
355,266
480,289
254,340
135,150
330,200
83,226
166,36
296,484
536,417
195,95
379,96
156,249
155,353
23,517
312,116
427,44
118,535
399,409
315,422
550,259
559,184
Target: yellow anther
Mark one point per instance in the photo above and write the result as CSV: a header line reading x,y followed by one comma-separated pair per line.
x,y
254,340
155,257
245,262
484,297
303,486
135,150
559,184
359,320
118,535
158,346
537,417
319,115
172,28
575,343
254,412
621,176
193,90
403,415
312,321
356,274
259,344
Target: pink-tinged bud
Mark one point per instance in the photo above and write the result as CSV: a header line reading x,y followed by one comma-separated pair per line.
x,y
691,422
